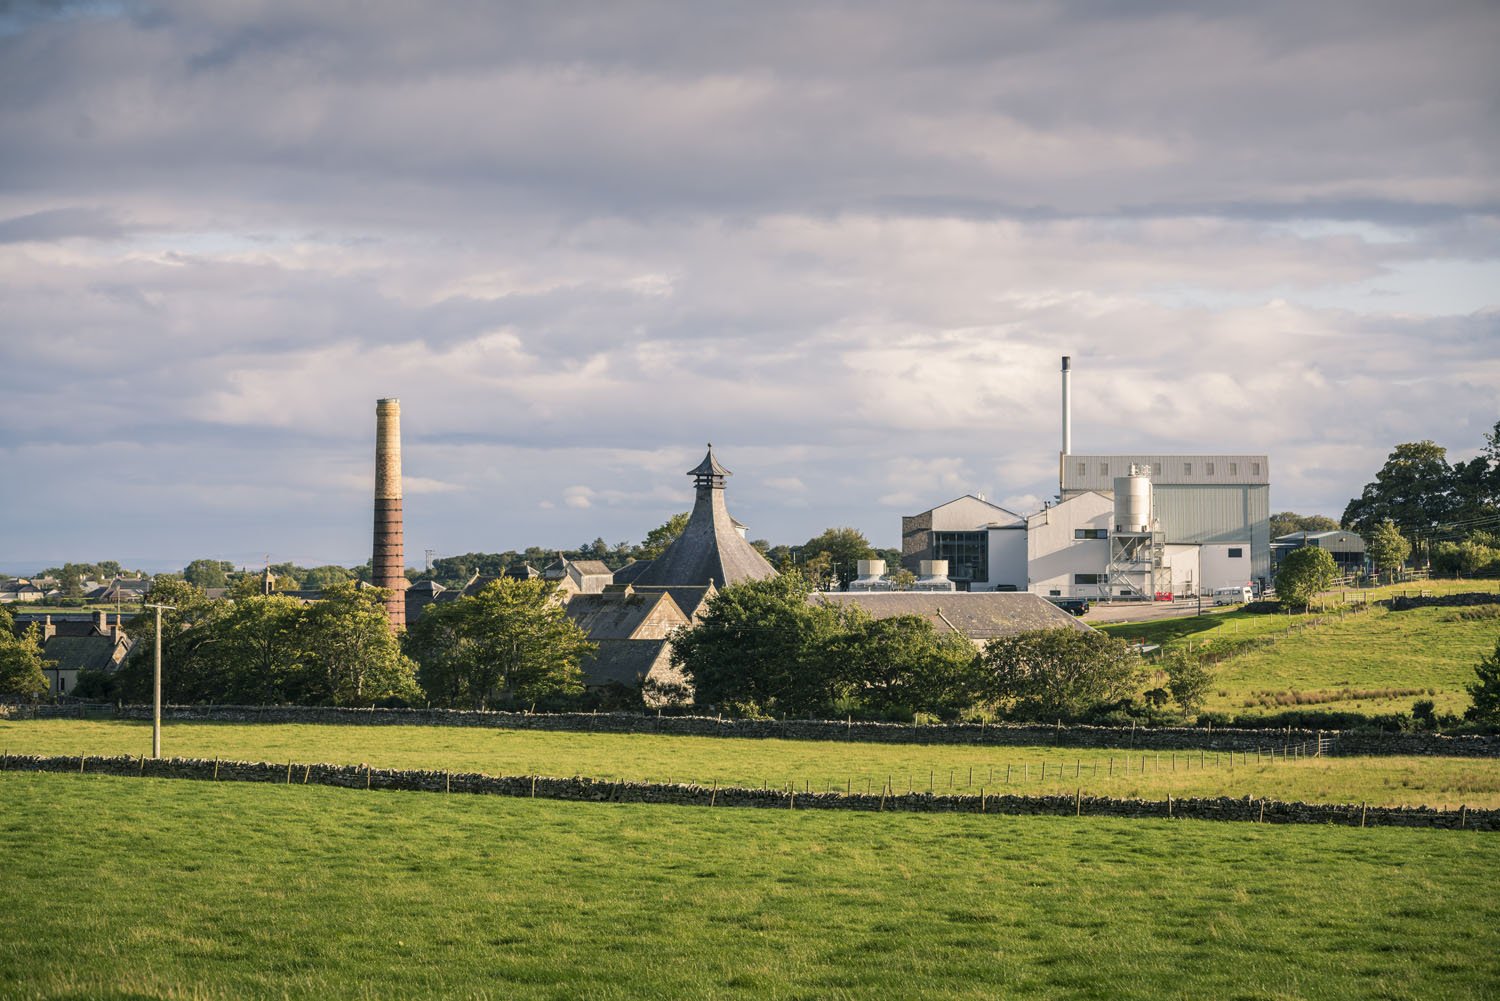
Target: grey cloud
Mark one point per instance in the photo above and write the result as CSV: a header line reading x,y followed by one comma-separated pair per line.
x,y
59,224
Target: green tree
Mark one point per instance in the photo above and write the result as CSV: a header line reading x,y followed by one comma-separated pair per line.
x,y
1386,547
511,637
1050,673
1485,691
761,645
349,655
21,660
206,573
659,538
1188,679
1412,490
845,547
71,582
1288,522
189,668
325,576
255,655
1304,572
900,662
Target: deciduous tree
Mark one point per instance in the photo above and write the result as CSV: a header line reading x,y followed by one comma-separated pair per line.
x,y
1485,691
659,538
349,655
1304,572
1047,673
510,637
760,644
1412,490
21,659
1386,547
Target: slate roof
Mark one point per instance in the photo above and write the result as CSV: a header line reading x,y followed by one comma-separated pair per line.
x,y
81,653
628,662
979,615
631,571
616,616
709,550
592,567
688,598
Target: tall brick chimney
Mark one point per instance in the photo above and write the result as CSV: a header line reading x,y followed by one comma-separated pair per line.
x,y
387,563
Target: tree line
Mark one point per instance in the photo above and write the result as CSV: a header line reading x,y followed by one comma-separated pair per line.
x,y
763,648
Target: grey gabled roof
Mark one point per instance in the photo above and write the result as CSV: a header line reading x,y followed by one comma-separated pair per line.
x,y
617,616
979,615
81,653
628,662
630,571
689,598
709,550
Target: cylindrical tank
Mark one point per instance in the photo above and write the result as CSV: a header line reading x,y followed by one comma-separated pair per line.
x,y
1133,502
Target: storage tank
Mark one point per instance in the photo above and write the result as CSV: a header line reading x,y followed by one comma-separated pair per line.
x,y
1133,501
871,577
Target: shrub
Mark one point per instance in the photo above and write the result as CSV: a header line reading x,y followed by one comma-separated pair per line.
x,y
1485,692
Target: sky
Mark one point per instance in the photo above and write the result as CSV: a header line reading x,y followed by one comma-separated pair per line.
x,y
846,243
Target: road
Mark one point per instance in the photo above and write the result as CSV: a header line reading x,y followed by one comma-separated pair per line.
x,y
1144,611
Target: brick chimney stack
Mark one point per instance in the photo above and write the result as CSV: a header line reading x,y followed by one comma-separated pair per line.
x,y
388,563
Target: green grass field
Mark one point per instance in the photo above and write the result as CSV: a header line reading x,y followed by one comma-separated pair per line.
x,y
1430,650
128,888
1388,781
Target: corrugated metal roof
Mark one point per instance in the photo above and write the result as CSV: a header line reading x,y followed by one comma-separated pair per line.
x,y
1098,472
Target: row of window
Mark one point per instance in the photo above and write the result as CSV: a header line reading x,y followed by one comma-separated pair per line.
x,y
1090,533
1187,469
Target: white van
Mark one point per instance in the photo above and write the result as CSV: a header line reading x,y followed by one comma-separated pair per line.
x,y
1233,595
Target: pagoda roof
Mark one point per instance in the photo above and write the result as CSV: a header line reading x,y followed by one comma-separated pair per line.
x,y
709,550
709,466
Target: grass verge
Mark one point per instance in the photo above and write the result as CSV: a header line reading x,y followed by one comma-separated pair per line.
x,y
812,765
154,888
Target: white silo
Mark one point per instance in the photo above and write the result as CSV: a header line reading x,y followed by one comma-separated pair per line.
x,y
1133,501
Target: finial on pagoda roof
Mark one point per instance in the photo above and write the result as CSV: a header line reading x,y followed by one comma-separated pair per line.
x,y
709,473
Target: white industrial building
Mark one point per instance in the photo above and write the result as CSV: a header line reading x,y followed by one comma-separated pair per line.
x,y
1129,527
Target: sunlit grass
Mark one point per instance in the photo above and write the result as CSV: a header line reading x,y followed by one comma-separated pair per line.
x,y
136,888
813,765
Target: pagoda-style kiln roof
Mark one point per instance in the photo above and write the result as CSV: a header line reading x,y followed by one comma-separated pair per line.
x,y
710,550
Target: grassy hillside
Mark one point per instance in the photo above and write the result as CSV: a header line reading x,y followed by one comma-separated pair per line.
x,y
121,888
777,763
1371,662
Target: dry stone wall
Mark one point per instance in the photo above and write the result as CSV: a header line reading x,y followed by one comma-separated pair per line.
x,y
984,734
593,790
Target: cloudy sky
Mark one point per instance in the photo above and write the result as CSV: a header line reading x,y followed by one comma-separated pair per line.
x,y
847,243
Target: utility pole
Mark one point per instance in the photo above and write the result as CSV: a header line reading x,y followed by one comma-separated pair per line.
x,y
156,702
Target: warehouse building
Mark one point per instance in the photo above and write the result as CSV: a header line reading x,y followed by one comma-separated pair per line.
x,y
1132,527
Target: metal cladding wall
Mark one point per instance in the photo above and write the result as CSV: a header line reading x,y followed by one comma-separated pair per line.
x,y
1192,513
388,561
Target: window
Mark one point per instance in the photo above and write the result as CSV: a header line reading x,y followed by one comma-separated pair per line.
x,y
1255,468
967,554
1090,533
1083,469
1103,469
1234,469
1156,468
1055,593
1236,553
1208,469
1086,578
1187,469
